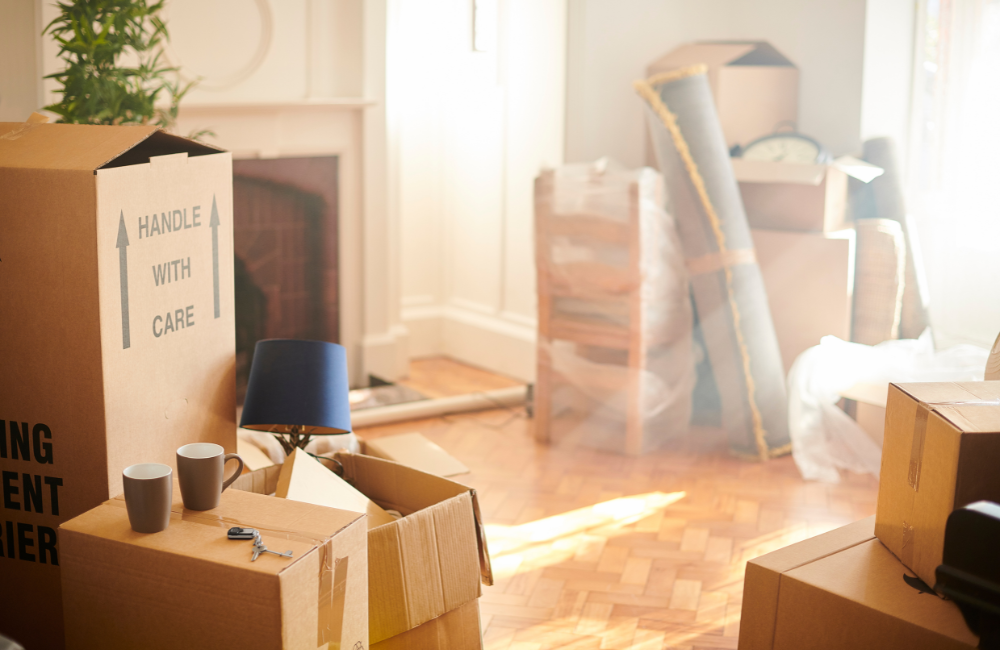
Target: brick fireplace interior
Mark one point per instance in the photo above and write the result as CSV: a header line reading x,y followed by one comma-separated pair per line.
x,y
285,236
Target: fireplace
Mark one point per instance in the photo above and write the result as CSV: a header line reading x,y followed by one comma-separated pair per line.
x,y
285,239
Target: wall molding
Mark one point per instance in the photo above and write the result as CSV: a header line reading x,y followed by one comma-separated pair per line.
x,y
498,342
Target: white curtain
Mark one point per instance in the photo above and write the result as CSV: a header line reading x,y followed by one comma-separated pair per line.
x,y
954,166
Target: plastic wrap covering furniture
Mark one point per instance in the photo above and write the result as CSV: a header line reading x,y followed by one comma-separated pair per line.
x,y
615,357
728,288
887,200
879,280
824,438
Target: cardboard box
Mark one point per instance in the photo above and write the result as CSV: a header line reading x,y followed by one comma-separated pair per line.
x,y
416,451
118,344
843,590
791,196
459,629
941,452
422,566
809,279
756,88
192,587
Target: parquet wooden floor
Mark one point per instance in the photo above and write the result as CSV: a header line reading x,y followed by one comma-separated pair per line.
x,y
444,377
594,550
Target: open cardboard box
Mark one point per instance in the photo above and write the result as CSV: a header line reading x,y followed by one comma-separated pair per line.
x,y
843,589
190,586
795,196
422,566
755,87
410,449
116,331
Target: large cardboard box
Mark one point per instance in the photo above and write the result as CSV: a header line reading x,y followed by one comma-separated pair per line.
x,y
843,590
422,566
191,586
941,451
459,629
809,279
792,196
755,87
116,331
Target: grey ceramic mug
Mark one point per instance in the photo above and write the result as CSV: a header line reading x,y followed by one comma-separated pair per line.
x,y
149,490
200,467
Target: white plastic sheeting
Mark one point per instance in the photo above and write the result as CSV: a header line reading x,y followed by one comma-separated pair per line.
x,y
824,438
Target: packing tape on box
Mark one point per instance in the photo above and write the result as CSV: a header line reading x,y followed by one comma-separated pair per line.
x,y
917,448
332,596
920,434
719,260
908,535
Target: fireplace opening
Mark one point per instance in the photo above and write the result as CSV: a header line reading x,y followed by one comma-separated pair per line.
x,y
285,240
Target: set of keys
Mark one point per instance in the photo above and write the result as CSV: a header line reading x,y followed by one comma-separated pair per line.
x,y
258,545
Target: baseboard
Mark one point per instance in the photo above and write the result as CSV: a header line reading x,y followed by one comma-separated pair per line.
x,y
385,355
495,343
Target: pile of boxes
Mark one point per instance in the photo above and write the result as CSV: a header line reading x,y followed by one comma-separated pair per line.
x,y
118,348
797,213
860,586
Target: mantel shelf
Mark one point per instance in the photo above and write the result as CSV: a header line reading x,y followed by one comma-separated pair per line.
x,y
332,102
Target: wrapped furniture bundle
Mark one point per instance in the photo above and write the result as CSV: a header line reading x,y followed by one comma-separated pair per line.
x,y
728,288
615,359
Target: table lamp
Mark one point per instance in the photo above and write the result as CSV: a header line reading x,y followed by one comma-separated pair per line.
x,y
296,390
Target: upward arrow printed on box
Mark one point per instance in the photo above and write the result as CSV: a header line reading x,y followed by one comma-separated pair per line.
x,y
214,225
122,246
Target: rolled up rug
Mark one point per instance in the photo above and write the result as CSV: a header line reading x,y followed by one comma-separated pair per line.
x,y
726,281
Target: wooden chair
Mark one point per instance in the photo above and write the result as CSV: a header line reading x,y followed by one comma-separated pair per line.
x,y
611,353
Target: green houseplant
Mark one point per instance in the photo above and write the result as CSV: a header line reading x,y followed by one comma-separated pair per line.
x,y
95,37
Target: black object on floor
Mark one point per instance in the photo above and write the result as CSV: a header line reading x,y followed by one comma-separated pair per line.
x,y
970,572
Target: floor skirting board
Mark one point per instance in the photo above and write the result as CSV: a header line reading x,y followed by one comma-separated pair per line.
x,y
486,341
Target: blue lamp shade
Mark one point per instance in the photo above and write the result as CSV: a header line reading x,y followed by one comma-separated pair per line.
x,y
298,383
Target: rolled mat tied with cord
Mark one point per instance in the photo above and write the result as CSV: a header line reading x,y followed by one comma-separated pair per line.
x,y
728,288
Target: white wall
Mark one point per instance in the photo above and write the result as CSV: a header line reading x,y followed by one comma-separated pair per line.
x,y
20,74
888,71
612,41
474,130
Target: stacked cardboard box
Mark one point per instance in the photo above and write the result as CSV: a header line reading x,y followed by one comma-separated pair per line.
x,y
804,246
846,588
941,452
840,590
116,332
190,586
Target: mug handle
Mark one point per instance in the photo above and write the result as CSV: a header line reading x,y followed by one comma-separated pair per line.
x,y
236,474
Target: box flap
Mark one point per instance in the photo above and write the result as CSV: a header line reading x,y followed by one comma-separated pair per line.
x,y
416,451
304,479
421,567
711,54
762,54
814,548
722,53
874,394
763,171
859,169
972,407
86,147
